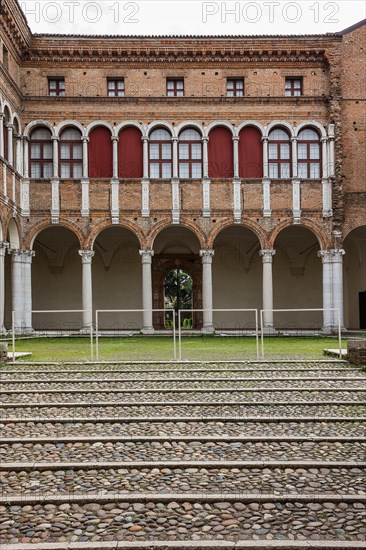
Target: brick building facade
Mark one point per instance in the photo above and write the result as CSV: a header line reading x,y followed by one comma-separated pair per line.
x,y
238,159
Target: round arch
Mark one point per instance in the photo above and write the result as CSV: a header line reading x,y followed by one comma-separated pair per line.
x,y
125,124
186,224
41,226
323,240
35,124
354,275
186,124
98,228
69,123
221,226
215,123
159,124
246,123
310,124
97,123
279,124
13,234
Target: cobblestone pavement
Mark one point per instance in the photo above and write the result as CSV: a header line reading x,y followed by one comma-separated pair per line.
x,y
260,451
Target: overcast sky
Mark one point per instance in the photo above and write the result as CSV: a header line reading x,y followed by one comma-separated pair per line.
x,y
191,16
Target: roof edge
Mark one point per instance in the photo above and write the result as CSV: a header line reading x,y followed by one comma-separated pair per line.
x,y
353,27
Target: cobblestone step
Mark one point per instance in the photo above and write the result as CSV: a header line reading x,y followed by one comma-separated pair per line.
x,y
96,411
182,517
189,396
175,449
205,477
267,427
203,384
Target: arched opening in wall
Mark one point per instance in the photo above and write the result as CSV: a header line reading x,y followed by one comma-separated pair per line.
x,y
176,249
297,279
250,153
56,279
355,278
16,138
41,153
130,154
237,277
178,292
220,153
13,239
70,154
100,156
6,121
116,274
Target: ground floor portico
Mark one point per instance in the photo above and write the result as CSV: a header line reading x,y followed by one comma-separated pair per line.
x,y
235,269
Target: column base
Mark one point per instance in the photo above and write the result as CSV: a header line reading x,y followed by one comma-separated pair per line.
x,y
85,330
332,329
208,329
147,330
269,329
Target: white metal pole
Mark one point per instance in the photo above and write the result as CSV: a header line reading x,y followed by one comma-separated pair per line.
x,y
256,333
179,336
339,333
262,337
96,335
91,343
174,336
13,333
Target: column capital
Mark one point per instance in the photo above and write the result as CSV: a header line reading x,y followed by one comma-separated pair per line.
x,y
265,139
207,256
145,138
23,256
25,138
115,138
86,256
324,139
267,255
293,138
4,247
9,126
235,139
146,256
55,138
205,139
175,138
332,256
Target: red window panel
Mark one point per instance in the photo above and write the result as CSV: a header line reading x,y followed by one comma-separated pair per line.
x,y
130,155
100,153
250,153
220,153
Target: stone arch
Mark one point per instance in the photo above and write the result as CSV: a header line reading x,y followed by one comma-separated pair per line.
x,y
351,226
279,124
35,124
97,123
215,123
40,226
69,123
16,122
159,124
318,231
354,275
257,125
310,124
98,228
13,233
125,124
255,228
7,112
189,124
164,224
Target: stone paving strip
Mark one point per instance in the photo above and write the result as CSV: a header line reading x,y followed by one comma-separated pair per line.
x,y
183,517
175,449
223,384
202,396
182,374
76,411
164,427
74,478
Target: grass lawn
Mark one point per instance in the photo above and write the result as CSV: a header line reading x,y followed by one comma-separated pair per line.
x,y
161,348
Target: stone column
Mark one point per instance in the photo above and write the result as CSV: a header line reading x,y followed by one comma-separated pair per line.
x,y
2,148
25,170
294,157
267,259
265,157
207,256
17,294
331,158
145,149
115,156
236,156
55,156
85,141
337,264
325,164
205,156
3,247
10,128
147,323
87,294
27,289
18,154
326,257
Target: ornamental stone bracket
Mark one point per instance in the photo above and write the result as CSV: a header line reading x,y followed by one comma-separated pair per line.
x,y
24,197
206,198
175,201
266,183
237,200
55,205
296,200
327,198
85,206
145,190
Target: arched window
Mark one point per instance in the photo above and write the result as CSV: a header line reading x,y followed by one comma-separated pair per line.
x,y
130,154
41,153
220,153
279,154
250,153
71,154
100,155
160,154
309,154
190,154
5,132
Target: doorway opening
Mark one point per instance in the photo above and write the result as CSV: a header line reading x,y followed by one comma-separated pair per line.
x,y
178,295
